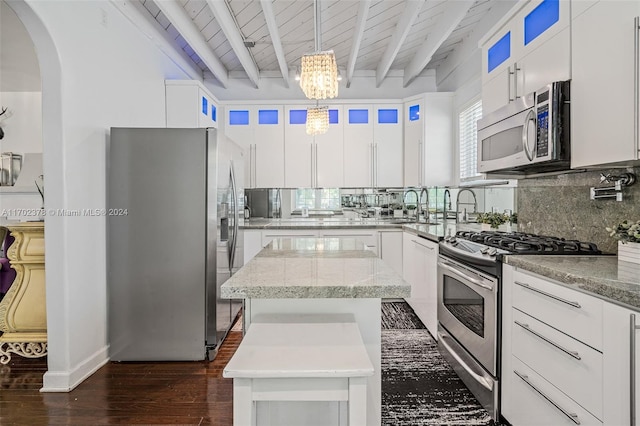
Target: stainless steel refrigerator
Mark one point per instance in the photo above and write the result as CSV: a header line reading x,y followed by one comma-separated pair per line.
x,y
174,198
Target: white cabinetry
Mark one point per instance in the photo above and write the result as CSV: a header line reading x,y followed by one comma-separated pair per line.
x,y
565,354
428,140
529,48
369,237
604,85
260,131
373,145
620,347
313,161
189,104
420,270
252,243
390,248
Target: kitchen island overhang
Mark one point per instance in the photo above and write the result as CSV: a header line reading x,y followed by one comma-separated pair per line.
x,y
321,276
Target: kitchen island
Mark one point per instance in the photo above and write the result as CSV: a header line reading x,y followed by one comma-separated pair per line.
x,y
321,276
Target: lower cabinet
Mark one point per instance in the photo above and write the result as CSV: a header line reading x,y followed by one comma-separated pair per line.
x,y
390,248
420,270
566,355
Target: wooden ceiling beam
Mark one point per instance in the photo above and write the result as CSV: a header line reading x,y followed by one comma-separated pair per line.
x,y
183,23
270,18
227,22
403,27
454,13
361,21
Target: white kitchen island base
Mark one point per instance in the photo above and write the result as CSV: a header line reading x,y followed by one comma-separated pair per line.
x,y
319,276
367,315
301,369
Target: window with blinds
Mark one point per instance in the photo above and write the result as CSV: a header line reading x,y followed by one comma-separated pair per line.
x,y
467,120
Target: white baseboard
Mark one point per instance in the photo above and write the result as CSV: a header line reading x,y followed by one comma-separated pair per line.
x,y
66,381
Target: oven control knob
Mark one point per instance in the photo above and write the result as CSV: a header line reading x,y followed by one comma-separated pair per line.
x,y
484,250
493,252
453,240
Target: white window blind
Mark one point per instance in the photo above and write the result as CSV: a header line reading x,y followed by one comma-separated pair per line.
x,y
467,121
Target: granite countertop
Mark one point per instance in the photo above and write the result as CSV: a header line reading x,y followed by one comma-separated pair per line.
x,y
600,276
315,268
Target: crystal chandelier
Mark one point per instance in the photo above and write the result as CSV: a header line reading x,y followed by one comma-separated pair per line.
x,y
319,71
317,120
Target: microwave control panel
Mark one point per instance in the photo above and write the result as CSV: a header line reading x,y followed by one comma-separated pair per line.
x,y
542,131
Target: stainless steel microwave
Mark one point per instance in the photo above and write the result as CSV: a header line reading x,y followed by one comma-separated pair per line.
x,y
530,135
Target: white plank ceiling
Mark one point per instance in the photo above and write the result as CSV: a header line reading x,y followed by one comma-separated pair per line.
x,y
408,36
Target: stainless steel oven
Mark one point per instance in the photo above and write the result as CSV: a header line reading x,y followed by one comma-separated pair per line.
x,y
468,308
469,302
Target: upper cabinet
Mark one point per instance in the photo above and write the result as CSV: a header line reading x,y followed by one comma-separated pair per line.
x,y
189,104
529,48
372,145
313,161
605,83
428,140
259,129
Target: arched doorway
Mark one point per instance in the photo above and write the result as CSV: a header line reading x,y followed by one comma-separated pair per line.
x,y
52,135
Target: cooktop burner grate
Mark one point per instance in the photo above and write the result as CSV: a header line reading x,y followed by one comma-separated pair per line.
x,y
523,243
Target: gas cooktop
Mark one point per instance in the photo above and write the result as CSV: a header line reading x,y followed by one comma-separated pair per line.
x,y
523,243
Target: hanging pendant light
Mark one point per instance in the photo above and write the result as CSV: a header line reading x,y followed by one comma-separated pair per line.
x,y
319,70
317,120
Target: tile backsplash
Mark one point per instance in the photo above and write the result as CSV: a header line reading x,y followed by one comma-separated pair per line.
x,y
560,206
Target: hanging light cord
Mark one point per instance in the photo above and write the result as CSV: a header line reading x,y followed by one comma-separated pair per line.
x,y
316,18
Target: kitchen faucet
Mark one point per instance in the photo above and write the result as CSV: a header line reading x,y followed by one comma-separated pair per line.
x,y
458,204
419,209
447,207
404,199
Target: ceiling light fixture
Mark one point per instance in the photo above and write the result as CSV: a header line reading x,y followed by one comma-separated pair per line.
x,y
317,120
319,74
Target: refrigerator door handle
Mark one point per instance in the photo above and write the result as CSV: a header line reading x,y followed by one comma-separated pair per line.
x,y
234,203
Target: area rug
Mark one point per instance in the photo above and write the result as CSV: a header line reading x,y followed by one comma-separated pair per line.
x,y
418,386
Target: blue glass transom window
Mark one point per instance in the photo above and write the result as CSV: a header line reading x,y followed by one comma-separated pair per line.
x,y
214,112
297,116
414,112
499,52
540,19
268,116
239,117
358,116
333,116
205,106
387,116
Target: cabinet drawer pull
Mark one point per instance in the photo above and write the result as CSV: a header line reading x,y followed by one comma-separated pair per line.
x,y
544,293
572,416
422,245
632,359
574,354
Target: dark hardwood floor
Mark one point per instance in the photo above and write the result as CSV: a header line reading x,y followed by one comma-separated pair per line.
x,y
185,393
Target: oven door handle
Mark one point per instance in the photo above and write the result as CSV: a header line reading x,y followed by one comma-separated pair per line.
x,y
472,280
477,377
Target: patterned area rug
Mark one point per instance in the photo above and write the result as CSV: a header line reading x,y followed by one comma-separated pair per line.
x,y
418,386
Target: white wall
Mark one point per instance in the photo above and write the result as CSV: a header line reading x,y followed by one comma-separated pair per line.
x,y
100,71
23,130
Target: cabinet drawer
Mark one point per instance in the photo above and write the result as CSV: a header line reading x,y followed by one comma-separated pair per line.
x,y
572,367
538,403
576,314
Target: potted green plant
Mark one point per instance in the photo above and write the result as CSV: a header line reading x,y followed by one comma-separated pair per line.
x,y
492,219
628,235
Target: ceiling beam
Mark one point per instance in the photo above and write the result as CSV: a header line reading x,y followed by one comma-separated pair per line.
x,y
454,13
469,46
183,23
140,17
270,17
409,16
361,20
230,29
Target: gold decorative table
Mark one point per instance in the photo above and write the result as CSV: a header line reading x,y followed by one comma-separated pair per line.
x,y
23,315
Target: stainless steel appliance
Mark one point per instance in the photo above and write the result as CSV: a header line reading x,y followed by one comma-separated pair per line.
x,y
469,300
530,135
173,232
